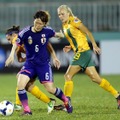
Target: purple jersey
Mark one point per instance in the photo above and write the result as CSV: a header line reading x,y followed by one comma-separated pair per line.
x,y
36,44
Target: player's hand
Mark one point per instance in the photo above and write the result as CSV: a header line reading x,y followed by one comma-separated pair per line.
x,y
56,63
96,49
59,34
9,60
67,48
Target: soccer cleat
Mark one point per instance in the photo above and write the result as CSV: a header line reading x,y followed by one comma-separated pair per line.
x,y
26,113
60,107
51,105
118,101
17,107
68,105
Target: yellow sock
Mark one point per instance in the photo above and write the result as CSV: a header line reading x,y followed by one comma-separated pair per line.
x,y
39,94
107,86
17,98
68,88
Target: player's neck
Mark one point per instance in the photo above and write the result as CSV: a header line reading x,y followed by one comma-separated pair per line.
x,y
34,30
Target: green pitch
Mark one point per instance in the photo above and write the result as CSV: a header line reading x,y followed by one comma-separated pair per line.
x,y
90,102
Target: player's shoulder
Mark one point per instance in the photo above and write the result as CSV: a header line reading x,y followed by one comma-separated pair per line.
x,y
48,28
74,19
24,30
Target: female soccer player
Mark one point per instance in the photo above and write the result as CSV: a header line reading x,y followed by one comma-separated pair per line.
x,y
30,87
35,39
76,33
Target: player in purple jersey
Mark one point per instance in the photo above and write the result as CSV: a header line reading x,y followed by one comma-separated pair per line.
x,y
12,33
35,39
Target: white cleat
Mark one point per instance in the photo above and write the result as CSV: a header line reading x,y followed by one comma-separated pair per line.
x,y
51,105
17,107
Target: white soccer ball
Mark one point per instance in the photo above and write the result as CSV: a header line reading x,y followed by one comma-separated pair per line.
x,y
6,108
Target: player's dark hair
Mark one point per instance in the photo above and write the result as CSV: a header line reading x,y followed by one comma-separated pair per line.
x,y
43,15
13,29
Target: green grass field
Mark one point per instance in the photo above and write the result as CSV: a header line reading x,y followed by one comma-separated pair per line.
x,y
90,102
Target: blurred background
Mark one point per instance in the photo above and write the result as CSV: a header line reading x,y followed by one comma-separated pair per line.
x,y
102,17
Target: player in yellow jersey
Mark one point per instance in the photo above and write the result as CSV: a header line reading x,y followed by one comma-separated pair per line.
x,y
76,33
30,87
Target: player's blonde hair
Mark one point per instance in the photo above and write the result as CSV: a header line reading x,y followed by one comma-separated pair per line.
x,y
68,9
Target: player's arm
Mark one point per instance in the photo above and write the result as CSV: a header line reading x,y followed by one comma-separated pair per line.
x,y
56,62
19,51
84,29
59,34
67,48
10,59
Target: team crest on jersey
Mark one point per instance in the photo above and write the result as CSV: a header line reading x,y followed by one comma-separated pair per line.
x,y
18,40
30,41
43,40
43,35
76,20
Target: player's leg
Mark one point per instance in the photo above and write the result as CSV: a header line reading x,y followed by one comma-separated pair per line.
x,y
35,91
59,94
45,76
22,81
17,105
71,71
92,73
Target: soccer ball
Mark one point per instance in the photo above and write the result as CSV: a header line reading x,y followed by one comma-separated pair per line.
x,y
6,108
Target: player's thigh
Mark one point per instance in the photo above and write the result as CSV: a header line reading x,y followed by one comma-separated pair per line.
x,y
72,70
93,74
22,81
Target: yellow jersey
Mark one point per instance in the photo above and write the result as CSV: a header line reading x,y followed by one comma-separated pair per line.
x,y
76,38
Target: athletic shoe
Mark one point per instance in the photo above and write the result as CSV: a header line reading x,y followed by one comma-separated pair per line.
x,y
26,113
68,105
118,102
60,107
50,105
17,107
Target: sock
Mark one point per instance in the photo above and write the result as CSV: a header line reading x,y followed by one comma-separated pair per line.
x,y
39,94
59,94
108,87
68,88
24,100
17,100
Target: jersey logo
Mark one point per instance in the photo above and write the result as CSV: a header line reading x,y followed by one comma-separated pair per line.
x,y
76,20
18,40
43,39
30,41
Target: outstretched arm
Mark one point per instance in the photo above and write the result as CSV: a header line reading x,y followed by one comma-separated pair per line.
x,y
10,59
56,62
59,34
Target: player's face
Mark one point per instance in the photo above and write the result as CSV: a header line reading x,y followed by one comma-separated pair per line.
x,y
38,24
9,38
63,15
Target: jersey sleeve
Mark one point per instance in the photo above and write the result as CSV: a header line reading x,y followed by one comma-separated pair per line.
x,y
20,38
76,22
51,32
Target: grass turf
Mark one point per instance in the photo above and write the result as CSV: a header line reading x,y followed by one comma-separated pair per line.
x,y
90,102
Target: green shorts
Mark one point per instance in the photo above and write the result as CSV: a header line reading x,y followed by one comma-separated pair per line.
x,y
83,59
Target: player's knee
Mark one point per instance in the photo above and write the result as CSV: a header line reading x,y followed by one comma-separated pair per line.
x,y
95,79
51,90
67,77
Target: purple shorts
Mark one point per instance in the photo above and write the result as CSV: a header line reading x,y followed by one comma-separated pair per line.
x,y
43,72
